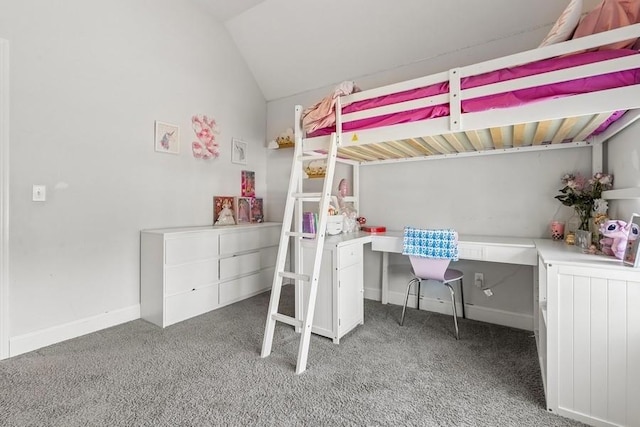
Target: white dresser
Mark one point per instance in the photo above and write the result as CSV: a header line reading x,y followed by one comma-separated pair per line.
x,y
185,272
588,334
340,299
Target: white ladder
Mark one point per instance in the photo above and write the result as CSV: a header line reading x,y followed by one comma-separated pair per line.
x,y
295,198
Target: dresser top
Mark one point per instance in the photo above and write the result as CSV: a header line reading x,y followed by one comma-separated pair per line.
x,y
218,228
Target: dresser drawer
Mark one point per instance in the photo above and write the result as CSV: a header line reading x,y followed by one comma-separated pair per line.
x,y
185,277
240,241
268,257
238,289
192,248
349,255
269,236
240,264
182,306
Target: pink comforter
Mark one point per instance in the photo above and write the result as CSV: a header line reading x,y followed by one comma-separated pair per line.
x,y
502,100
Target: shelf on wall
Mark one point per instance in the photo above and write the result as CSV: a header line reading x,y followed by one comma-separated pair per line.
x,y
622,193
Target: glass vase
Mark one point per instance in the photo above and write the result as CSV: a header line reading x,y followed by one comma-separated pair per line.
x,y
583,239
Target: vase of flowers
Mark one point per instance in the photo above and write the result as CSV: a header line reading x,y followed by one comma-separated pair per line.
x,y
582,194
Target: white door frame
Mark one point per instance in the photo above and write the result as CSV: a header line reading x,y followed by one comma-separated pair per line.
x,y
4,199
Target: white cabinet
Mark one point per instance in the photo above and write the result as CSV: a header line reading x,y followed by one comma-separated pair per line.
x,y
340,298
589,336
185,272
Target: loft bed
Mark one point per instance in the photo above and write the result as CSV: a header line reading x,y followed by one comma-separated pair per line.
x,y
558,96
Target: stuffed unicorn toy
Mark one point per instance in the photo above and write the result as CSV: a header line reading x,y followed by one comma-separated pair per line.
x,y
616,233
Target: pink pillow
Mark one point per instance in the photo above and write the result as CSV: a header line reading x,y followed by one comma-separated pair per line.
x,y
564,26
608,15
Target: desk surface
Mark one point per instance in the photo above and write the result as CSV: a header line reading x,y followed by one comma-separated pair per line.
x,y
468,239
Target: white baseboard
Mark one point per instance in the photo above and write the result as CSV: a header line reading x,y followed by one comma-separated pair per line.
x,y
473,312
499,317
35,340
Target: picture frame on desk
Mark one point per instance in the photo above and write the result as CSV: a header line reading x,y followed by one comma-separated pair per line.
x,y
631,256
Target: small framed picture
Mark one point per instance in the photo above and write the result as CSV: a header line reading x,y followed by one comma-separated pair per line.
x,y
243,210
238,151
167,138
224,210
248,188
631,256
257,210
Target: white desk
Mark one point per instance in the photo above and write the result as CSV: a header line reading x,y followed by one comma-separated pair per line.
x,y
586,319
508,250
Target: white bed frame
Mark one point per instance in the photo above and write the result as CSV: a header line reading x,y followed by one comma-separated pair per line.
x,y
558,123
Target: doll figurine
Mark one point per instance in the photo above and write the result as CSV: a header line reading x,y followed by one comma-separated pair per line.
x,y
226,215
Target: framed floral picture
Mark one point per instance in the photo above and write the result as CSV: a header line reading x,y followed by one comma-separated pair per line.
x,y
167,138
224,210
243,209
248,187
257,210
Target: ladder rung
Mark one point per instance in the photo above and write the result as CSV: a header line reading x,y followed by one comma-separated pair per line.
x,y
298,234
318,156
287,319
295,276
308,196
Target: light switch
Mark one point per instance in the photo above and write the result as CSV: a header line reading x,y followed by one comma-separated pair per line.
x,y
39,193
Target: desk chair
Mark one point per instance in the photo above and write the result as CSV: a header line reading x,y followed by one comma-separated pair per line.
x,y
434,269
430,252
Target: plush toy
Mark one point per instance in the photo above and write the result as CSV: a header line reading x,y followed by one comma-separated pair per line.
x,y
615,234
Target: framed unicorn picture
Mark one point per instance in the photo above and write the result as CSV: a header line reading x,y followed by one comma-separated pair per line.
x,y
167,138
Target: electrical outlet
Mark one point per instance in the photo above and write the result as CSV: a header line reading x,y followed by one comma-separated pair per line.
x,y
488,292
479,280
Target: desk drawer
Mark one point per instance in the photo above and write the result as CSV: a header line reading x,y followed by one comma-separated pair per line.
x,y
513,255
189,304
194,248
349,255
185,277
237,265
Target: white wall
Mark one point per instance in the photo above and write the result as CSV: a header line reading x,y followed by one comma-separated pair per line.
x,y
88,79
503,195
623,154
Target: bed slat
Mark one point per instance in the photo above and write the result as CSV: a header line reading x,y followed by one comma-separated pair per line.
x,y
565,129
433,143
455,142
518,135
496,136
541,132
592,125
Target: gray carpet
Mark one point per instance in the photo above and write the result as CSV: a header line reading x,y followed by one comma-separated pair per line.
x,y
207,372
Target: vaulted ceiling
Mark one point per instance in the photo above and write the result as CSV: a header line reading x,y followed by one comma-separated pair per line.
x,y
293,46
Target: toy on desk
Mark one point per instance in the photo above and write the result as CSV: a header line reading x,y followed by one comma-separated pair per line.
x,y
346,208
616,233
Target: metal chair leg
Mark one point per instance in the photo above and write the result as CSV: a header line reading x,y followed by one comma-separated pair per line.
x,y
462,298
455,311
406,299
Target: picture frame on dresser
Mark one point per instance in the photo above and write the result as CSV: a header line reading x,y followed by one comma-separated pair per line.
x,y
631,256
243,209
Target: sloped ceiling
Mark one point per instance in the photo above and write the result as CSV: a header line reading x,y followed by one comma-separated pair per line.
x,y
293,46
